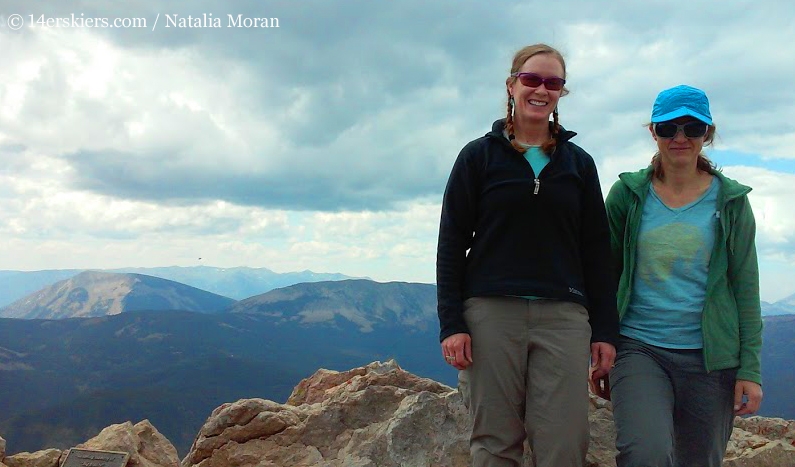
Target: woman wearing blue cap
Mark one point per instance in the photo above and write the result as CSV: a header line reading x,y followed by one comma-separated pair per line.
x,y
682,235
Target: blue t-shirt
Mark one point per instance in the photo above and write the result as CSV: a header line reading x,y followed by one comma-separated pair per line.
x,y
670,278
537,158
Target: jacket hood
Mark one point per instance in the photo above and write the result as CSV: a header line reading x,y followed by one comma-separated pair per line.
x,y
639,181
499,126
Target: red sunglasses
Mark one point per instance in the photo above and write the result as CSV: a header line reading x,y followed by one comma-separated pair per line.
x,y
532,80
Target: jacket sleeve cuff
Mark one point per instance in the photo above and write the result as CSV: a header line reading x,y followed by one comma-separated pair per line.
x,y
752,376
609,337
450,330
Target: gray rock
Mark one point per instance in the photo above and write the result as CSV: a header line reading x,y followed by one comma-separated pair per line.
x,y
378,415
147,446
45,458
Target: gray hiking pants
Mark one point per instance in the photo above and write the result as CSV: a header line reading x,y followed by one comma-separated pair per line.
x,y
668,410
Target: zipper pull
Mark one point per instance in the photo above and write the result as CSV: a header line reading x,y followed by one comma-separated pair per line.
x,y
538,185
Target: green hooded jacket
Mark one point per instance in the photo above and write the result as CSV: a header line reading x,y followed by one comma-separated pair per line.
x,y
731,321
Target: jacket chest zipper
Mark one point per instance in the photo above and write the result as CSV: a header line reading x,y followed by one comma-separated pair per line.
x,y
536,180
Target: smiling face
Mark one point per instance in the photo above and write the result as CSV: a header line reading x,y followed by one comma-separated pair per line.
x,y
679,151
535,105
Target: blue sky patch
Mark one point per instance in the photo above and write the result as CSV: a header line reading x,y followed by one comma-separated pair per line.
x,y
726,158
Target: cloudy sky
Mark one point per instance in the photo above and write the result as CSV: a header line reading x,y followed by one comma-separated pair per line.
x,y
325,143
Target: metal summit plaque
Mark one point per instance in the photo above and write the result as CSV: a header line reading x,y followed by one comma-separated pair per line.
x,y
90,458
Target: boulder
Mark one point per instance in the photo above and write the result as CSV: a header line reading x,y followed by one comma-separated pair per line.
x,y
773,454
45,458
146,446
373,416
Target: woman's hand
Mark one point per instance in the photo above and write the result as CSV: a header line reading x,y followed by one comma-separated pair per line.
x,y
603,356
599,386
457,350
753,396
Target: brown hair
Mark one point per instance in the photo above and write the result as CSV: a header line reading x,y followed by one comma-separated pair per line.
x,y
519,59
703,163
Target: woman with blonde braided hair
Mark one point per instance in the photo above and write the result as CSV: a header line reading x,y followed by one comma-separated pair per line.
x,y
524,282
547,146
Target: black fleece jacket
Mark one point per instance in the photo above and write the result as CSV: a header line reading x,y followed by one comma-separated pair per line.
x,y
507,231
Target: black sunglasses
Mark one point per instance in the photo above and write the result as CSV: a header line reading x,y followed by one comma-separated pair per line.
x,y
690,129
532,80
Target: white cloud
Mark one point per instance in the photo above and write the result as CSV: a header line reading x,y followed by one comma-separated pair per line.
x,y
771,198
325,144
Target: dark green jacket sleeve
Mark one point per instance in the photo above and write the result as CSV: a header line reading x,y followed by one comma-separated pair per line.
x,y
617,205
743,273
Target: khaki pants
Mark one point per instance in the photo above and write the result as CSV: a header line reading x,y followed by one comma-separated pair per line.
x,y
528,380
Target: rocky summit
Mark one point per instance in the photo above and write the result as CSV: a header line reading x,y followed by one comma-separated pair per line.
x,y
373,416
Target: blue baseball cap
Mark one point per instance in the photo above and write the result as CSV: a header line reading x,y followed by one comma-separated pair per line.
x,y
681,101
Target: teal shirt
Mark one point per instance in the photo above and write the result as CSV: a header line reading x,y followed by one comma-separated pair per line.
x,y
537,158
670,281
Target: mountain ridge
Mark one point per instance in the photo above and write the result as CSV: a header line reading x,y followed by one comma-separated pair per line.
x,y
236,282
360,301
785,306
96,293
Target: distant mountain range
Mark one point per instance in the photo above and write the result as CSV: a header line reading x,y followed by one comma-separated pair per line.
x,y
785,306
237,283
61,380
362,303
94,293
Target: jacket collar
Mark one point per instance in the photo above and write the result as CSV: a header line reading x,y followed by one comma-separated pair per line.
x,y
639,182
499,125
